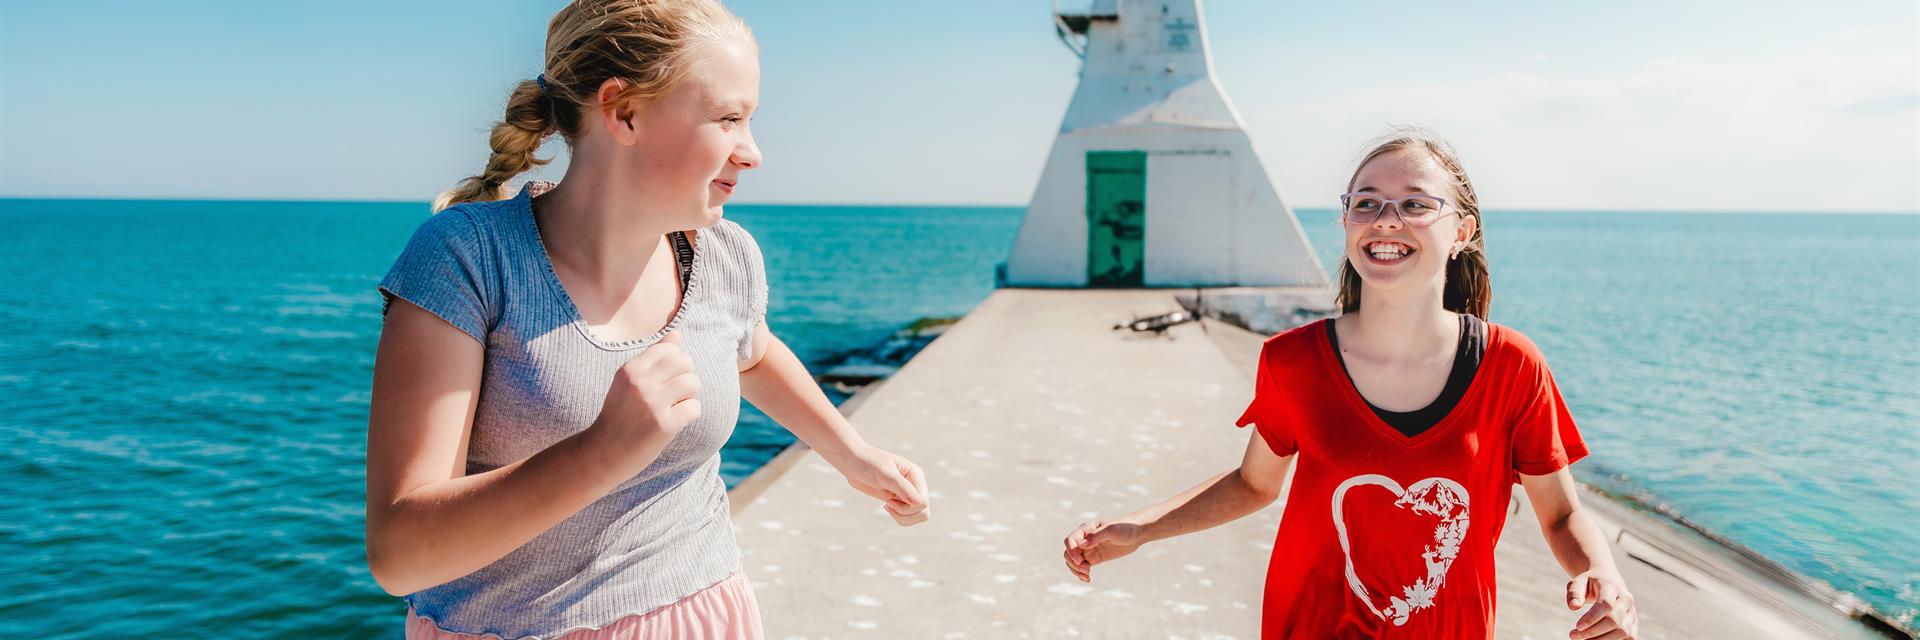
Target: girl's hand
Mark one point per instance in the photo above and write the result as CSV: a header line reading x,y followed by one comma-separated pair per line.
x,y
1099,541
896,482
1613,616
653,396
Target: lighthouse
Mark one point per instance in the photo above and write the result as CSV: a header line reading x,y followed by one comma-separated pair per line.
x,y
1152,180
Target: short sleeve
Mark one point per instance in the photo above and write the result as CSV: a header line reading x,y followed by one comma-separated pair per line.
x,y
443,270
1545,439
749,284
1265,412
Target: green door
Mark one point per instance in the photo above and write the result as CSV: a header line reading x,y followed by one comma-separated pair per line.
x,y
1116,218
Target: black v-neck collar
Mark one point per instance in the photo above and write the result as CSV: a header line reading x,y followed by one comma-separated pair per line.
x,y
1467,358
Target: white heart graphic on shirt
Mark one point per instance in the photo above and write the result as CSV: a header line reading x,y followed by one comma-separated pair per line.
x,y
1439,497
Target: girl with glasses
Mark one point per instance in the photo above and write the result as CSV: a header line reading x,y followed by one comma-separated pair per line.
x,y
1405,422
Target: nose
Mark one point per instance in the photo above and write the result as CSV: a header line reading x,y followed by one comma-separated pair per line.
x,y
746,154
1383,221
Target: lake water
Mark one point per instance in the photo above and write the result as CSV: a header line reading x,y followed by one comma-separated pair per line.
x,y
184,385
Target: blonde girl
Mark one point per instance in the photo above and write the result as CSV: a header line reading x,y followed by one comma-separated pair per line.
x,y
561,364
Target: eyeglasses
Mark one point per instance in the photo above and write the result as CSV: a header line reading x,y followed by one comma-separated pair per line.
x,y
1417,211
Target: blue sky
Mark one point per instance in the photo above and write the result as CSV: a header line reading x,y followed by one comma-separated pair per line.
x,y
1722,105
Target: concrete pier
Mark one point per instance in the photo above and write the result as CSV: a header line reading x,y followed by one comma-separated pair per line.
x,y
1031,415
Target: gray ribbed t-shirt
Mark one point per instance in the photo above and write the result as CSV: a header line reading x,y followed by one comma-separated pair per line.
x,y
661,536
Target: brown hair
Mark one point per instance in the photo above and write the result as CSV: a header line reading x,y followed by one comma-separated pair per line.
x,y
647,43
1469,288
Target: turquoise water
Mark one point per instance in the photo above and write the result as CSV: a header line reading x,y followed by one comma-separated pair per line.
x,y
183,387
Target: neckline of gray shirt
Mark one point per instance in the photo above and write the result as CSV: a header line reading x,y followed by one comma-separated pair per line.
x,y
690,278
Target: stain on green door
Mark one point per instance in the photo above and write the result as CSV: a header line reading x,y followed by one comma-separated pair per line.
x,y
1116,218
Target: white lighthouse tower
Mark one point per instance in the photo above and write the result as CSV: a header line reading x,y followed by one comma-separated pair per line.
x,y
1152,181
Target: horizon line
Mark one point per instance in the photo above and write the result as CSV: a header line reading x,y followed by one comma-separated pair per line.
x,y
962,205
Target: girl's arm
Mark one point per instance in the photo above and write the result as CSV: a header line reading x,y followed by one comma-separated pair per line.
x,y
776,382
1221,499
1582,550
429,522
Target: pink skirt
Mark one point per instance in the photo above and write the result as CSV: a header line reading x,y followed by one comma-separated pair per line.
x,y
724,611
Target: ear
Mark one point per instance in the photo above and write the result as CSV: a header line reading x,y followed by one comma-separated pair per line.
x,y
619,115
1463,233
1467,225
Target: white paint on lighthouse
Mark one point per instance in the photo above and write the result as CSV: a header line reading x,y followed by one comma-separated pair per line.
x,y
1152,181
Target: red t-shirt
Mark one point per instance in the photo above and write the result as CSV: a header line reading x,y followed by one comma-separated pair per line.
x,y
1389,536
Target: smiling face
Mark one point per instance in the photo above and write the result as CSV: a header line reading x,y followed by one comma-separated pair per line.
x,y
688,148
1391,256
